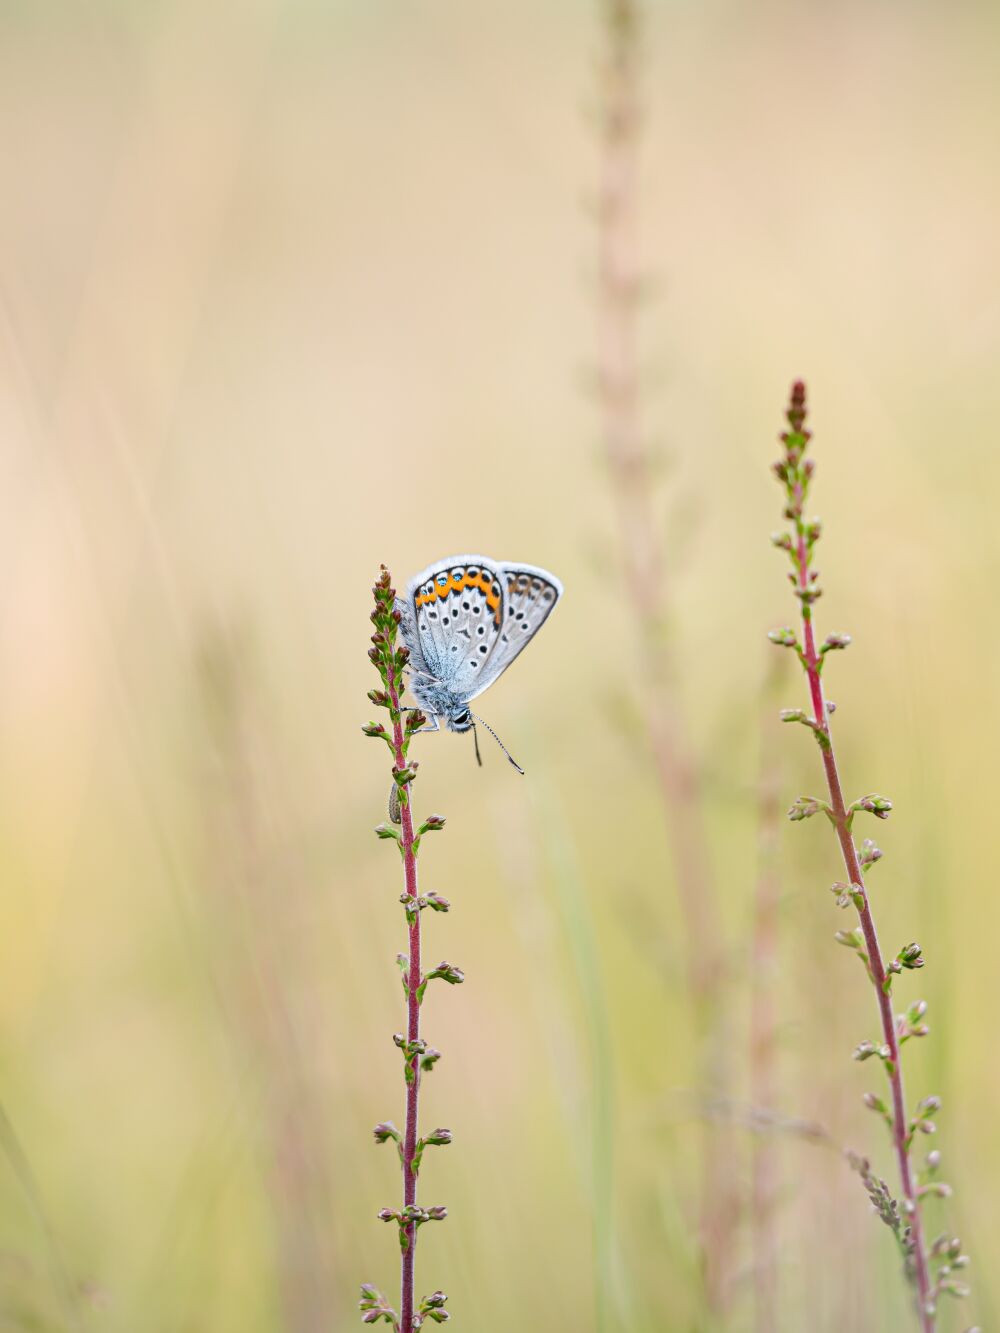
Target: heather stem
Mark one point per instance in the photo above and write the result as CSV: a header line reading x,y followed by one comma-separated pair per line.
x,y
390,661
619,292
412,1016
855,876
812,663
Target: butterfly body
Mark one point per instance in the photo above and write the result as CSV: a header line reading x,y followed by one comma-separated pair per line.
x,y
464,620
440,703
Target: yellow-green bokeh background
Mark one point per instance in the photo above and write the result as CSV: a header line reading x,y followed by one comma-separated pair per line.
x,y
289,288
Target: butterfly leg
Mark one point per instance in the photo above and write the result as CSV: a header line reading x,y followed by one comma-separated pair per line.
x,y
434,726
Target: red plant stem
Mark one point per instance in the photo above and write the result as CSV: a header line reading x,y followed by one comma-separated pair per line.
x,y
855,877
629,462
630,469
412,1018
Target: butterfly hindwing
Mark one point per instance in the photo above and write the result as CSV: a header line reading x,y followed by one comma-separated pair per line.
x,y
458,609
532,594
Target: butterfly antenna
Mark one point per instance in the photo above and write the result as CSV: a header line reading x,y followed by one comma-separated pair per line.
x,y
475,738
498,741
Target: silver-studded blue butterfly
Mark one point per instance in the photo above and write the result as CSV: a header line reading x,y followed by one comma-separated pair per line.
x,y
464,620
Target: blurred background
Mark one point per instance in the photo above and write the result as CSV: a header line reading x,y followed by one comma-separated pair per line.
x,y
291,288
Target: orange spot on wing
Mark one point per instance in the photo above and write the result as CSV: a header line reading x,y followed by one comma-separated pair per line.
x,y
484,581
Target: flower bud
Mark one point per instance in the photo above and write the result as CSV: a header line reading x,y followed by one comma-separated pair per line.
x,y
783,638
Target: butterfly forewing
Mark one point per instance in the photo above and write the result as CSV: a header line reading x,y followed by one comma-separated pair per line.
x,y
458,611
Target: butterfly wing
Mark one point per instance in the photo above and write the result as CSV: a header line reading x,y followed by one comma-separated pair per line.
x,y
531,596
453,617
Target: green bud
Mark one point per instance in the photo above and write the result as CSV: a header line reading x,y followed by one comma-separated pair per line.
x,y
869,853
850,939
876,805
835,642
935,1189
877,1105
911,956
793,715
375,1307
783,638
432,1307
453,975
804,807
957,1289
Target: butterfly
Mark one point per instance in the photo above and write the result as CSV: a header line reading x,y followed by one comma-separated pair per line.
x,y
464,620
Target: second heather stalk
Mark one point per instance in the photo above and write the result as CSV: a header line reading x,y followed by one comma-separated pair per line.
x,y
794,470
